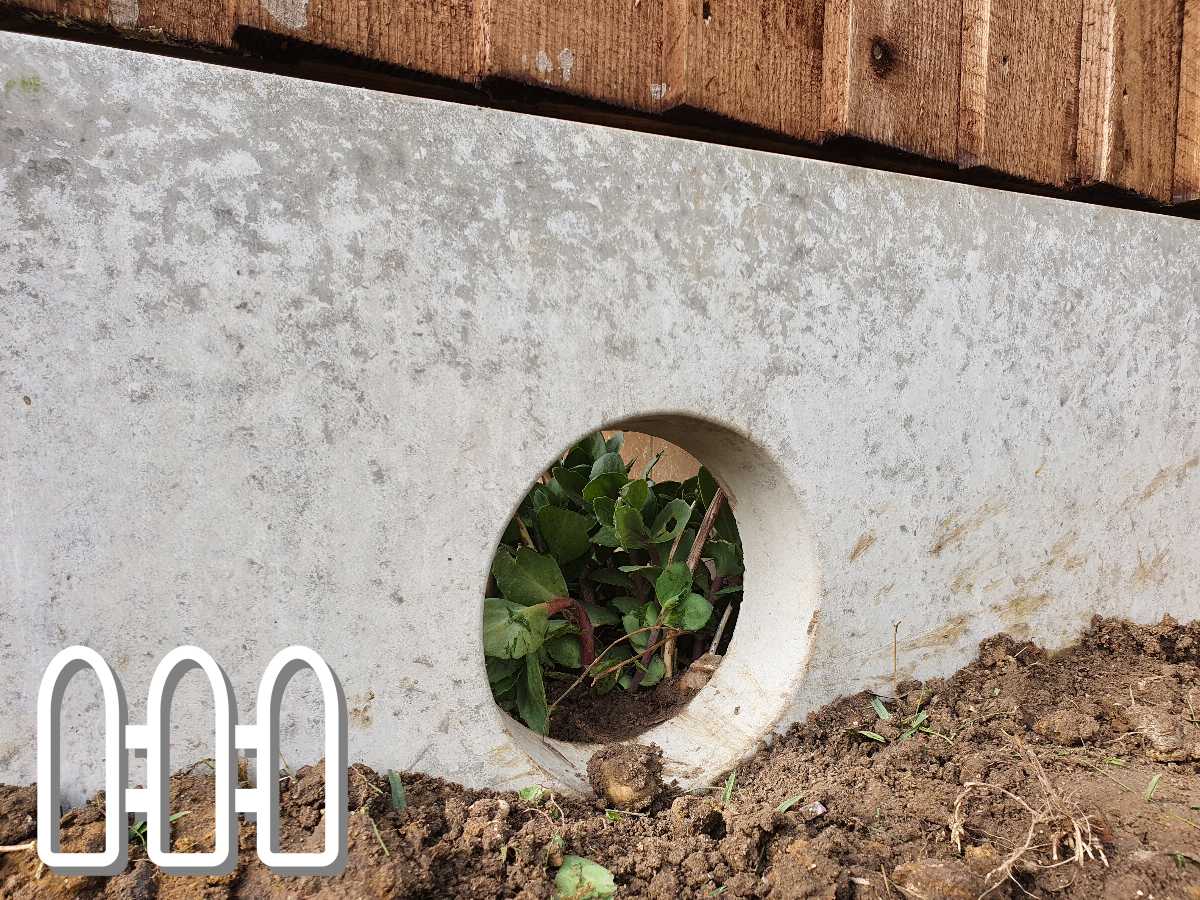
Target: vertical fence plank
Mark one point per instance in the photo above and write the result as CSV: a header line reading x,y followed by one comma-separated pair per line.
x,y
208,22
756,61
1128,90
1187,150
891,72
607,51
1020,88
439,37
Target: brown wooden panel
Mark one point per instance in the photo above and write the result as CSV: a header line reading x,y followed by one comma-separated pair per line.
x,y
440,37
891,72
594,48
1020,88
209,22
1187,151
755,61
1128,93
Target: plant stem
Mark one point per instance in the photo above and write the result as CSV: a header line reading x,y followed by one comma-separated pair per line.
x,y
578,613
720,628
706,526
585,672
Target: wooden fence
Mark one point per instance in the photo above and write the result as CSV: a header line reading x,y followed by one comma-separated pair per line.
x,y
1064,93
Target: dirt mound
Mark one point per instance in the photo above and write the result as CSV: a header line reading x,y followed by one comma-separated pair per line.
x,y
1073,775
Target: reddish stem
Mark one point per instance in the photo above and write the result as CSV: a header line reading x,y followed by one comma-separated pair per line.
x,y
576,612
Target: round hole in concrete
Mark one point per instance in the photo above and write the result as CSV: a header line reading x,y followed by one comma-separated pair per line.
x,y
760,672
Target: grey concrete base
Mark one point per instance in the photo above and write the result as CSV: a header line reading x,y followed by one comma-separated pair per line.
x,y
292,353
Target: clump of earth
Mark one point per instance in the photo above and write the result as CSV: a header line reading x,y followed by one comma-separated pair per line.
x,y
1067,775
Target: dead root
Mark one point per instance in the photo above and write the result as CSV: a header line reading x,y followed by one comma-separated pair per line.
x,y
1056,823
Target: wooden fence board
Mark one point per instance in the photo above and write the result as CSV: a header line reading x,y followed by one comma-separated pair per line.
x,y
440,37
593,48
755,61
1061,92
891,72
1128,93
1020,88
1187,151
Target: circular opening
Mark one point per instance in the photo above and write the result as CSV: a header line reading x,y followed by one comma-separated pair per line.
x,y
760,667
615,590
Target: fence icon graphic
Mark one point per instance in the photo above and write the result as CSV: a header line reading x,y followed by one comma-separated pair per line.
x,y
261,738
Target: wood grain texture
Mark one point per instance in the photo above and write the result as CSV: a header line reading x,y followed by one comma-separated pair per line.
x,y
891,73
439,37
1128,93
594,48
1020,88
1060,92
755,61
1187,149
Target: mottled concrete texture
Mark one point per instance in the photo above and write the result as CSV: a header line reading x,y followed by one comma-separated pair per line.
x,y
278,358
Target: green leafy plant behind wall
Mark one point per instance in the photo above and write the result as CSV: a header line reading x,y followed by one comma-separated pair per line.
x,y
598,576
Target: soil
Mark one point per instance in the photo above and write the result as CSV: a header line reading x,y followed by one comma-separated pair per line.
x,y
1072,775
618,715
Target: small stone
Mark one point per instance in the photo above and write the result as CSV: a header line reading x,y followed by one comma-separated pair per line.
x,y
946,879
1067,727
628,776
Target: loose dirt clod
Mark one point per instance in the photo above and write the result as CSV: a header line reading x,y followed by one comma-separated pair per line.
x,y
983,802
628,776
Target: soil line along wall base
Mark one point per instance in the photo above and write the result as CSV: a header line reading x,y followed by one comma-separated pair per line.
x,y
279,359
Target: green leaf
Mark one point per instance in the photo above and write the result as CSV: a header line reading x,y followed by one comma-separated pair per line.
x,y
632,622
608,463
725,557
601,615
615,442
572,480
880,709
595,445
874,736
566,533
606,536
603,508
529,577
531,697
581,879
565,650
674,580
706,487
626,604
534,794
654,671
511,631
631,530
615,577
607,485
691,613
502,674
789,803
636,493
727,794
399,797
671,521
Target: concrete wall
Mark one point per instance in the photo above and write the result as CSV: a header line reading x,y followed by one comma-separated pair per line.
x,y
277,359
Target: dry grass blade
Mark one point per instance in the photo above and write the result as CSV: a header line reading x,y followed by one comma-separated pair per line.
x,y
1067,826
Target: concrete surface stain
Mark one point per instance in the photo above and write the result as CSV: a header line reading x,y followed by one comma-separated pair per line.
x,y
1176,473
947,634
361,713
1150,571
862,545
953,529
1021,606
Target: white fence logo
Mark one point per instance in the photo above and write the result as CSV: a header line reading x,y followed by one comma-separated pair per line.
x,y
262,738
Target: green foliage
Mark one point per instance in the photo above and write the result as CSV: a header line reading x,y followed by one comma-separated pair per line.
x,y
590,539
581,879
